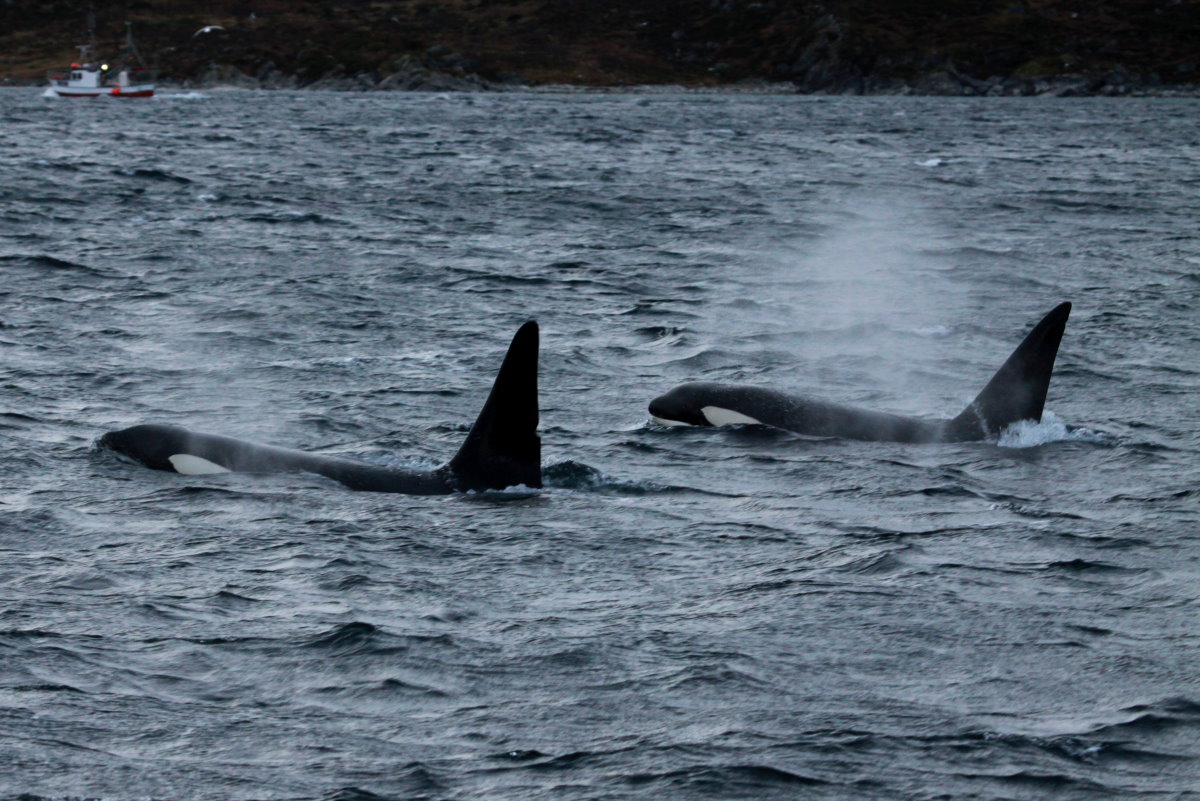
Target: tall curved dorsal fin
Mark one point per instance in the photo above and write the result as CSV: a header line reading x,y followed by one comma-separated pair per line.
x,y
503,448
1018,389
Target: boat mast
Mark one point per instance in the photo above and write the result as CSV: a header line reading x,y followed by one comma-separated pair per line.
x,y
87,52
130,47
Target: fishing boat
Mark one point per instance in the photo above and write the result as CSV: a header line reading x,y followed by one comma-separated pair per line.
x,y
89,77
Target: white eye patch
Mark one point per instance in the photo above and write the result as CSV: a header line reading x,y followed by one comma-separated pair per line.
x,y
726,417
195,466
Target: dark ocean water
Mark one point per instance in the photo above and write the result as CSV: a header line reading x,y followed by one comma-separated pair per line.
x,y
682,613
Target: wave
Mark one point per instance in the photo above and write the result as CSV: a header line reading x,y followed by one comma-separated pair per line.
x,y
352,637
718,779
1030,434
42,261
411,780
358,638
1090,737
294,218
352,794
1078,565
1050,784
572,475
881,564
1155,717
152,175
29,634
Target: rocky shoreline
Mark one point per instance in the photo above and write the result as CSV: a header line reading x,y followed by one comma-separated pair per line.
x,y
410,75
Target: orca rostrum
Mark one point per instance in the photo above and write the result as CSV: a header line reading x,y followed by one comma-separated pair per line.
x,y
501,450
1016,392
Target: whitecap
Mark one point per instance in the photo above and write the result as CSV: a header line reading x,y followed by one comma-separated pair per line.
x,y
1030,434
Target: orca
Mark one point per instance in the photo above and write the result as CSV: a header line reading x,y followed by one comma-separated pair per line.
x,y
1016,392
501,450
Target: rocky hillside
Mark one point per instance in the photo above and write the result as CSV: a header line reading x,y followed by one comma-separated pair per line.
x,y
943,47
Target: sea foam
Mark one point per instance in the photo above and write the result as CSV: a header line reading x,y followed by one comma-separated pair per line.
x,y
1030,434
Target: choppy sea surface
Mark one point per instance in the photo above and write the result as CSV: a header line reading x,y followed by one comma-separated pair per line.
x,y
729,613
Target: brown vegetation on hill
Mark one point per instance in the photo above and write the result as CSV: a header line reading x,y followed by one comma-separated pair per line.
x,y
837,45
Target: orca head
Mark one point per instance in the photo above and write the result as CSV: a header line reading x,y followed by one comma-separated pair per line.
x,y
704,403
682,406
150,444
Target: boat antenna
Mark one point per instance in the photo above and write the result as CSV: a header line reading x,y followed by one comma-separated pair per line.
x,y
87,52
130,47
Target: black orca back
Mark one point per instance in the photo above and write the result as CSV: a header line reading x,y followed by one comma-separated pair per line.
x,y
503,448
1018,389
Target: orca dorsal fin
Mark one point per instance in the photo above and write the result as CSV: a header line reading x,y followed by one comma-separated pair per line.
x,y
503,448
1018,389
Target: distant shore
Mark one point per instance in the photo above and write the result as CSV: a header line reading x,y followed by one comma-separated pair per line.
x,y
413,77
989,48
